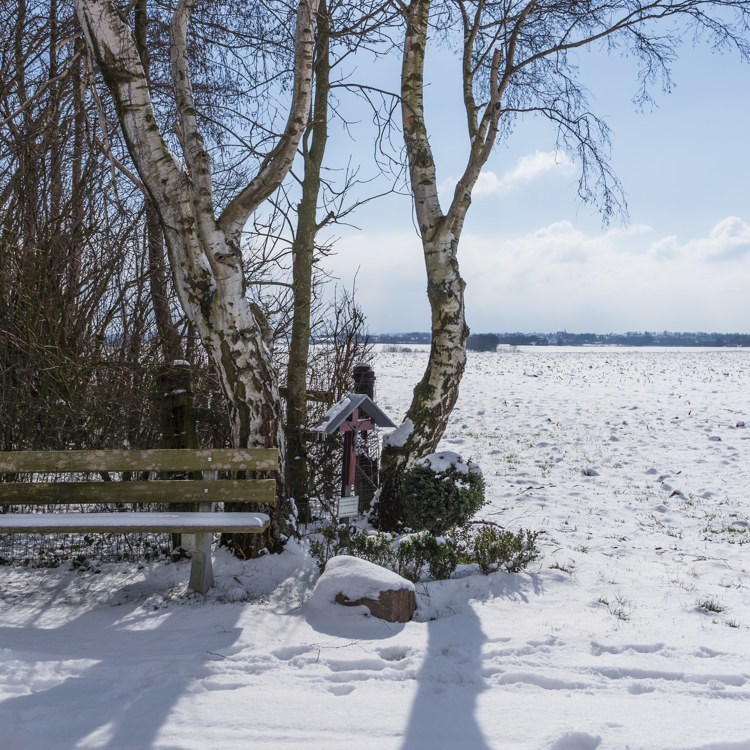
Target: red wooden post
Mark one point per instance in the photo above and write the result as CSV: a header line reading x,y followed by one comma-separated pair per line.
x,y
350,458
351,427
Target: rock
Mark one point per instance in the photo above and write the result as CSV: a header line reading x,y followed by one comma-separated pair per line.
x,y
351,582
393,605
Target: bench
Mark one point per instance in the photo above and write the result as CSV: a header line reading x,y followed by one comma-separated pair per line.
x,y
203,492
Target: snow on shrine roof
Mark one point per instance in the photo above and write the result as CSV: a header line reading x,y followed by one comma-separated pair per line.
x,y
341,411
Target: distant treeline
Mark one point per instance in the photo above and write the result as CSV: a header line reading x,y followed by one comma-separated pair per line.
x,y
666,338
415,337
487,342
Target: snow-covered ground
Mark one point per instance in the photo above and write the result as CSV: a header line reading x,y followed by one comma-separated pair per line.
x,y
631,631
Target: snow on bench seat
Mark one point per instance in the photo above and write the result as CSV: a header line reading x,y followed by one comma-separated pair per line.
x,y
190,523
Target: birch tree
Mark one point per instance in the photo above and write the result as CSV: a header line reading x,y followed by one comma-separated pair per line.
x,y
515,60
203,246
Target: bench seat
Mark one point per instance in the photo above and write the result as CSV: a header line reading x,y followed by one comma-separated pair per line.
x,y
131,522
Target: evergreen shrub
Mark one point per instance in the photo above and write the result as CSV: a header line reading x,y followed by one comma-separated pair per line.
x,y
410,556
493,548
417,551
441,491
346,540
419,556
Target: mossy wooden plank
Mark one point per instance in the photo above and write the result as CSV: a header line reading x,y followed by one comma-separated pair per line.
x,y
106,523
157,491
219,459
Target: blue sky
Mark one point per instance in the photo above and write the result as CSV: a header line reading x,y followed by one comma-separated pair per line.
x,y
535,259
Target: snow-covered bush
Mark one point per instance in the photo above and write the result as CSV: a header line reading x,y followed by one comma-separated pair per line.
x,y
417,551
414,556
493,548
339,539
419,556
441,491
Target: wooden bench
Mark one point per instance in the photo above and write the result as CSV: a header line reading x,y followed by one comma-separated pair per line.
x,y
205,492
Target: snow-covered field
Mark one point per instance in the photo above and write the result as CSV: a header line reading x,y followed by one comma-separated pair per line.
x,y
631,631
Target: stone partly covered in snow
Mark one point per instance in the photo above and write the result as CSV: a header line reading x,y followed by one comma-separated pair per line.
x,y
393,605
353,582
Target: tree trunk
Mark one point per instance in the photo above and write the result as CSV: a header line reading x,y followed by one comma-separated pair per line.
x,y
303,250
78,186
437,392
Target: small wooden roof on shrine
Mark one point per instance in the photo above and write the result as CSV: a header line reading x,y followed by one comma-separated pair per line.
x,y
343,410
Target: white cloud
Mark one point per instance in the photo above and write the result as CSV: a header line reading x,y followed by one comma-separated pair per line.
x,y
728,240
560,276
526,169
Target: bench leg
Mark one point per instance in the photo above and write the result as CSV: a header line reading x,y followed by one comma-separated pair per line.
x,y
201,570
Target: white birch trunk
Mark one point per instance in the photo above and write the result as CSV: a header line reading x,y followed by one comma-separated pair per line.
x,y
436,394
204,252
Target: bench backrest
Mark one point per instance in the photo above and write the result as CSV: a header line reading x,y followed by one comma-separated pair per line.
x,y
250,460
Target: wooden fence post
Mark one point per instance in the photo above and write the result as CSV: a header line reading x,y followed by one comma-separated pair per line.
x,y
178,426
